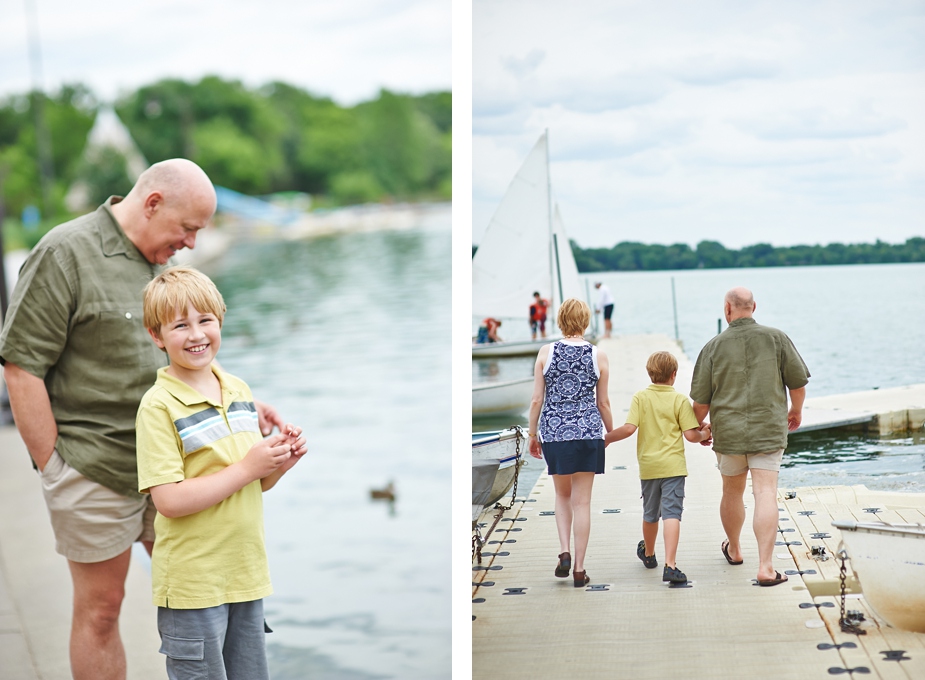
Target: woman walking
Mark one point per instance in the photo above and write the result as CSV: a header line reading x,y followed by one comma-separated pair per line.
x,y
569,414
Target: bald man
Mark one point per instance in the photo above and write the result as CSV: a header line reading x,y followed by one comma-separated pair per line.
x,y
77,361
742,379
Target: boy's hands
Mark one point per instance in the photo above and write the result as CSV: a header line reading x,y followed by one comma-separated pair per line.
x,y
267,455
297,445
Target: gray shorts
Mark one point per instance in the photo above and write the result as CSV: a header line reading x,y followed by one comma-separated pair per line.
x,y
662,498
92,523
220,643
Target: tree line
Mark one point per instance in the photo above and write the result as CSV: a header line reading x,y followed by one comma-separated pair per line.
x,y
634,256
263,140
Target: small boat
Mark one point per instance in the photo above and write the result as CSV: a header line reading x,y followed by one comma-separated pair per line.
x,y
496,459
889,562
524,249
509,398
522,348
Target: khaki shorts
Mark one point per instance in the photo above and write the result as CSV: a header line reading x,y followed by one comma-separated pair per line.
x,y
92,523
732,465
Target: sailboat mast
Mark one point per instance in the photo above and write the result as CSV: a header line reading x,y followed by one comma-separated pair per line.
x,y
552,241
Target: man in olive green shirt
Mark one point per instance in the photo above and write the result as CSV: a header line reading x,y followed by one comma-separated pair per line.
x,y
742,379
77,361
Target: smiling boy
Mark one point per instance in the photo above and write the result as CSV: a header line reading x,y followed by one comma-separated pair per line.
x,y
203,460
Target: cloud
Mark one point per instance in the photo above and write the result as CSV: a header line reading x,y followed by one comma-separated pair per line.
x,y
769,120
525,66
712,69
822,123
345,50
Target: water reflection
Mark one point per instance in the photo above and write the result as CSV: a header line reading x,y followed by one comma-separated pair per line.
x,y
349,336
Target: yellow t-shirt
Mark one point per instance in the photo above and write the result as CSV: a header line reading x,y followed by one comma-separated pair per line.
x,y
216,556
661,415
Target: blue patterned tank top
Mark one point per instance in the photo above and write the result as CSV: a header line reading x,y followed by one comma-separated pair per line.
x,y
570,407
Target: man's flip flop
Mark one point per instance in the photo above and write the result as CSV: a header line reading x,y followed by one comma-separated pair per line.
x,y
726,554
774,581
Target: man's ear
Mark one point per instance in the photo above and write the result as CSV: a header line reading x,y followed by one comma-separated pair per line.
x,y
153,203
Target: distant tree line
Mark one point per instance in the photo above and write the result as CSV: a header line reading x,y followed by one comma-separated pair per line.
x,y
257,141
633,256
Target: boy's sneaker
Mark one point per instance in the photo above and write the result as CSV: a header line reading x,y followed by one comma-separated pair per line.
x,y
673,575
649,561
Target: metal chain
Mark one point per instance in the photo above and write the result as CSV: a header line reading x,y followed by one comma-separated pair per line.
x,y
847,625
517,465
478,540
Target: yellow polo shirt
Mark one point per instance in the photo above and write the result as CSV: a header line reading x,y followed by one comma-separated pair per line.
x,y
216,556
661,415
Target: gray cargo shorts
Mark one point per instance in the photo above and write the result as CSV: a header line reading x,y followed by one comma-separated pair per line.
x,y
662,498
223,642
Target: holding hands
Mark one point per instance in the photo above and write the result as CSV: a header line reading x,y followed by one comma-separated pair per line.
x,y
707,432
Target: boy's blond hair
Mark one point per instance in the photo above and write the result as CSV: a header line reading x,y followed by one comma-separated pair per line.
x,y
574,317
169,294
660,366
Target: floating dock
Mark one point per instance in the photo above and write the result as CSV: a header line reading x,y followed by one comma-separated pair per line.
x,y
628,623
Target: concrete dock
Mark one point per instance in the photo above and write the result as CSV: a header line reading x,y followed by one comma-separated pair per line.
x,y
35,586
628,623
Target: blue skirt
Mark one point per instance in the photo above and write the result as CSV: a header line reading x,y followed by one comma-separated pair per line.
x,y
579,455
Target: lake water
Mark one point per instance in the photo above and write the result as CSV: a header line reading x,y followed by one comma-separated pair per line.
x,y
349,337
858,327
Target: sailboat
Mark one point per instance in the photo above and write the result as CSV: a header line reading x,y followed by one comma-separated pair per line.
x,y
524,249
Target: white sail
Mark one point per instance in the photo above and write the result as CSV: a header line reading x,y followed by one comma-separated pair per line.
x,y
512,260
567,270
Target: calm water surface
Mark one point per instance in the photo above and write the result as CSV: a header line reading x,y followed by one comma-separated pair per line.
x,y
858,327
349,337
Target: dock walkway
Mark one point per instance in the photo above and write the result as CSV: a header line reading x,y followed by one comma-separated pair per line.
x,y
627,623
35,586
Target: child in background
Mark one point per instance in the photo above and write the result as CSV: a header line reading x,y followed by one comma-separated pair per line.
x,y
663,416
203,460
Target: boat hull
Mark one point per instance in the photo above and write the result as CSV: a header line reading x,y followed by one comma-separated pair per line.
x,y
889,562
500,446
526,348
510,398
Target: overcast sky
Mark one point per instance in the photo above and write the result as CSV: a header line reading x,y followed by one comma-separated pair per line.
x,y
781,121
346,49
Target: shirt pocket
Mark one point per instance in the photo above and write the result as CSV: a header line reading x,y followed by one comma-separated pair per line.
x,y
121,336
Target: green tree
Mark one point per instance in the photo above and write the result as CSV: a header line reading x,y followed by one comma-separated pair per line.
x,y
106,175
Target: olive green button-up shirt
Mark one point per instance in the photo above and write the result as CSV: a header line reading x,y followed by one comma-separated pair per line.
x,y
743,374
75,321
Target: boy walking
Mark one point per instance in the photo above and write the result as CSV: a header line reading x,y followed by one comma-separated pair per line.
x,y
662,416
203,460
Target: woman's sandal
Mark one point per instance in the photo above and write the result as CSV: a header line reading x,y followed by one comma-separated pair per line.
x,y
581,578
564,566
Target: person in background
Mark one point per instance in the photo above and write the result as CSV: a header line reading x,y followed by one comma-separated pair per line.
x,y
605,304
664,419
742,378
488,331
202,459
77,361
538,310
569,413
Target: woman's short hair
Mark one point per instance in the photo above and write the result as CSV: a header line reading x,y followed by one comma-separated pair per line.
x,y
167,296
574,317
660,366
